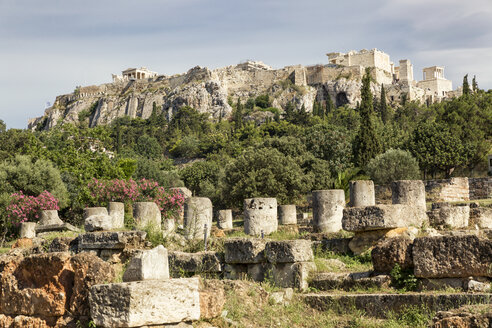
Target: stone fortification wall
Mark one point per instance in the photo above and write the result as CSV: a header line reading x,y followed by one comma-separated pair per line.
x,y
320,74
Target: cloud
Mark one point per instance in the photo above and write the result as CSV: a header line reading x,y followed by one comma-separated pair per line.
x,y
49,47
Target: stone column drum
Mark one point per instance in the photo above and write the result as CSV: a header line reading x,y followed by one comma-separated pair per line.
x,y
362,193
117,213
408,192
328,208
224,219
91,211
198,211
147,214
287,214
28,230
49,217
260,214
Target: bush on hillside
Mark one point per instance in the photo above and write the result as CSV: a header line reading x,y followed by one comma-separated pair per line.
x,y
394,164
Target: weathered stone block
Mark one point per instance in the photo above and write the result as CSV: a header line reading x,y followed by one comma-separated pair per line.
x,y
148,265
482,217
51,222
328,210
111,240
348,281
224,219
116,211
147,214
27,230
209,262
260,214
382,217
444,215
288,251
91,211
235,271
244,250
150,302
408,192
258,271
441,284
362,193
366,240
452,256
198,212
392,251
287,214
293,275
101,222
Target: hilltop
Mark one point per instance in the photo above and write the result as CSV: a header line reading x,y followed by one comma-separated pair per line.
x,y
138,92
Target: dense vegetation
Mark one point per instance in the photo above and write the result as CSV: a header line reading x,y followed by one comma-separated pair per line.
x,y
286,156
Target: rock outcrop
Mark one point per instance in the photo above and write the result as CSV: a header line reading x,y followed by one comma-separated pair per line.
x,y
47,290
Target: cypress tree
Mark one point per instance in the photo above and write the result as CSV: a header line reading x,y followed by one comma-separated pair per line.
x,y
366,144
289,112
238,114
466,86
329,105
383,107
474,84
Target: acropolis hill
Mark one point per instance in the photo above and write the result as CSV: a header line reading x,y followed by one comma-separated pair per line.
x,y
137,92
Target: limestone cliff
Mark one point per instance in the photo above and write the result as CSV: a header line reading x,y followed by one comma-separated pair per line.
x,y
208,91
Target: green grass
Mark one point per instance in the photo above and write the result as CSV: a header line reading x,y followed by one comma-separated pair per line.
x,y
353,263
250,311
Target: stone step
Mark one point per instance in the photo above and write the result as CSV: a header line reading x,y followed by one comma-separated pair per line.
x,y
325,281
379,305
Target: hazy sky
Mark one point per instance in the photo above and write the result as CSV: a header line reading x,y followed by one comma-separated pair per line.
x,y
47,47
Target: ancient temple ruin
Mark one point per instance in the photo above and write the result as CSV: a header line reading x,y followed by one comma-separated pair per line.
x,y
134,74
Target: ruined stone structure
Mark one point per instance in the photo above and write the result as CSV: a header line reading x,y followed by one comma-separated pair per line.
x,y
137,92
435,83
134,74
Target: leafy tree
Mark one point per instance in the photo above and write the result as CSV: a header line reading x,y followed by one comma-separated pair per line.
x,y
3,126
204,177
264,172
466,86
160,171
394,164
366,144
189,120
148,147
330,143
437,148
32,177
263,101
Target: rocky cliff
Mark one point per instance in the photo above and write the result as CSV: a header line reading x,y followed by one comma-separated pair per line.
x,y
208,91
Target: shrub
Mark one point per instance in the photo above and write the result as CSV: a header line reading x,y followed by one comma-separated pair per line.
x,y
394,164
32,177
23,208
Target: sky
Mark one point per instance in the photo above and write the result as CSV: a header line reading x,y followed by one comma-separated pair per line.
x,y
49,47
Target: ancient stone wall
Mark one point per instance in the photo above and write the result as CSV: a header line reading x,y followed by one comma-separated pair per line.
x,y
480,188
447,190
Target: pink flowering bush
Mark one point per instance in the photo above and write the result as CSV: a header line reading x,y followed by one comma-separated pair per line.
x,y
23,208
128,191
